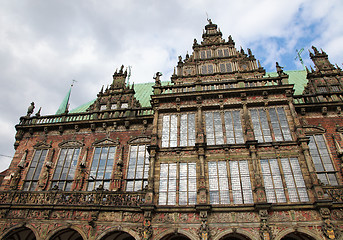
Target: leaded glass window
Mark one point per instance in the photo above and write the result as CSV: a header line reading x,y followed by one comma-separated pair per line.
x,y
241,185
178,130
223,127
223,52
101,169
205,54
218,183
177,184
207,69
32,176
294,181
138,170
187,129
322,160
225,67
272,181
65,169
238,175
268,121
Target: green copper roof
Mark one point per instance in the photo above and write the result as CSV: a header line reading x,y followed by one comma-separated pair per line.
x,y
144,90
298,78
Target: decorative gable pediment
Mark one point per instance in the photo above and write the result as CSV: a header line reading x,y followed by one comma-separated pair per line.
x,y
70,144
139,140
105,142
41,145
310,129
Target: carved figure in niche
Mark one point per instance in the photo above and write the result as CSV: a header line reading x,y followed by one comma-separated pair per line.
x,y
80,178
279,70
15,179
30,109
43,180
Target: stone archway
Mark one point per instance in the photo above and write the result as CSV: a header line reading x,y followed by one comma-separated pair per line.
x,y
22,233
118,235
67,234
297,236
175,236
234,236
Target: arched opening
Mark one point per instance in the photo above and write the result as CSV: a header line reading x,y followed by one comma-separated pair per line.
x,y
118,235
176,236
235,236
297,236
67,234
22,233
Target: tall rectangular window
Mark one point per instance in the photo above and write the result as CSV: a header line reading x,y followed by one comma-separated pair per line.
x,y
178,130
241,184
268,121
138,170
32,176
218,183
187,184
214,128
239,177
272,181
227,124
274,187
233,125
177,184
294,180
101,169
65,169
322,160
187,129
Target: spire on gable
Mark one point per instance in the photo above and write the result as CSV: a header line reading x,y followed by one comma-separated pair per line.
x,y
63,108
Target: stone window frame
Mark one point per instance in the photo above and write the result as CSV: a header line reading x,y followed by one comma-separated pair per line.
x,y
31,184
108,170
284,189
261,133
223,180
65,184
175,184
224,127
138,142
174,139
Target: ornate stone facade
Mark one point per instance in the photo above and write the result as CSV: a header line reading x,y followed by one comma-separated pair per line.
x,y
221,152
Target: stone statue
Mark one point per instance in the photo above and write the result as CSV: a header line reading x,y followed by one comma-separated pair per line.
x,y
279,70
43,180
157,79
30,109
15,179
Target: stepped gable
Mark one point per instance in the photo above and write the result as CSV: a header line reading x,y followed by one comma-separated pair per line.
x,y
119,95
324,82
216,59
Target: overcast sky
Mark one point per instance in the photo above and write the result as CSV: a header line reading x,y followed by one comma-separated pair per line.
x,y
44,44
